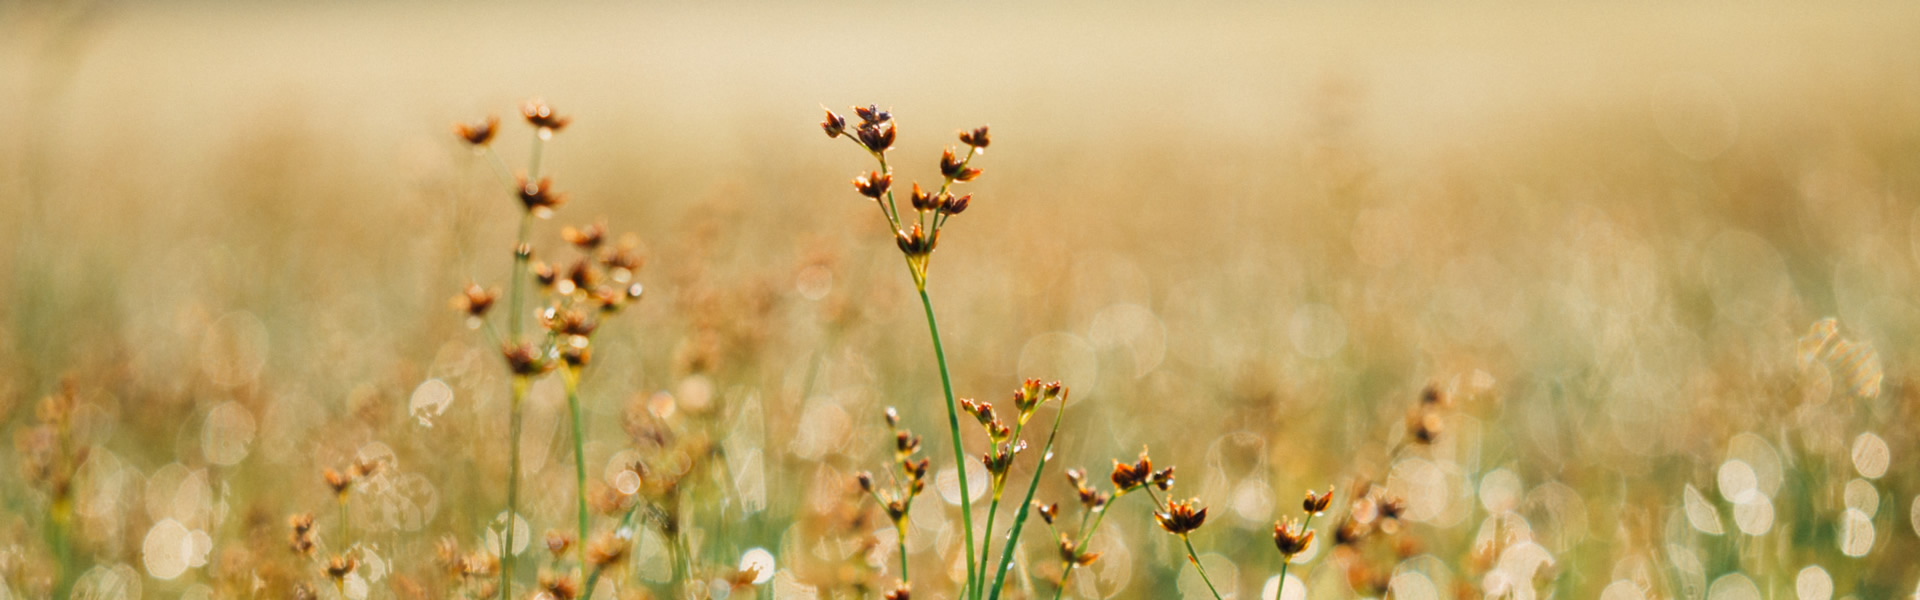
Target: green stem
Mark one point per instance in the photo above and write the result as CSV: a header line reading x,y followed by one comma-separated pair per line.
x,y
1085,537
593,579
1194,558
346,525
1287,561
953,427
1026,504
520,385
999,487
903,555
572,378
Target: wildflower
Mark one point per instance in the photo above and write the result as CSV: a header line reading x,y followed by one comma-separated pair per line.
x,y
559,586
901,592
1072,554
606,550
524,360
338,567
478,133
558,542
976,138
538,196
339,482
1181,517
1291,537
475,300
1317,503
873,184
586,238
540,115
954,168
834,125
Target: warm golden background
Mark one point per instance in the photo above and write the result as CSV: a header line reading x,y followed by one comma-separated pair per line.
x,y
1245,235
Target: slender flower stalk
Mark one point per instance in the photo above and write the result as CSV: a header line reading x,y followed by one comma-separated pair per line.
x,y
1181,518
571,375
875,133
1020,518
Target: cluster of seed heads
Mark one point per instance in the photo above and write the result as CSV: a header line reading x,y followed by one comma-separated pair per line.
x,y
875,132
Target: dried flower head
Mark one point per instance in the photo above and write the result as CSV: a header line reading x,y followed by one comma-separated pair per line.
x,y
525,360
1126,477
558,542
538,196
873,184
588,237
1291,537
834,125
606,550
975,138
301,540
1317,503
478,133
1071,553
540,115
1048,511
338,567
900,592
475,300
339,482
560,586
955,168
1181,517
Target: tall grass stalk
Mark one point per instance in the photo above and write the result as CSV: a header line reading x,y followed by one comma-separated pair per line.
x,y
953,428
1026,504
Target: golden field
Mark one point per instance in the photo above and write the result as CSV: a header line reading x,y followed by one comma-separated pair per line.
x,y
1247,237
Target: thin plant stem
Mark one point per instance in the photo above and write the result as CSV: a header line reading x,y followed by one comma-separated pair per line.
x,y
1085,536
1287,561
572,378
953,427
904,578
593,578
520,385
1194,558
1026,504
346,524
1000,487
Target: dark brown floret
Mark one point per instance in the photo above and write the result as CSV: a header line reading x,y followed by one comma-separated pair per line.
x,y
538,196
1181,517
1291,537
540,115
977,138
478,133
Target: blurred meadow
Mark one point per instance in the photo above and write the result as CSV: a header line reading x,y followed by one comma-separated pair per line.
x,y
1608,237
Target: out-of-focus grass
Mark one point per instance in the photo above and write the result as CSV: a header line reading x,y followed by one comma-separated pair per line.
x,y
1246,236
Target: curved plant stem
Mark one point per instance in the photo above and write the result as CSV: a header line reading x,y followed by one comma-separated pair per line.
x,y
1085,536
1195,559
1020,517
903,557
572,378
953,427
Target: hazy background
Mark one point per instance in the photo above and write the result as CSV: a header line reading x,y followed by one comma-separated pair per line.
x,y
1246,235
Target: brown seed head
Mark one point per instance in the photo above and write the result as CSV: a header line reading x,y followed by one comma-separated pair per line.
x,y
560,586
540,115
476,300
1317,503
606,550
905,443
1128,476
586,237
873,184
900,592
538,196
338,567
893,417
543,273
339,482
872,115
865,480
977,138
1181,517
524,360
558,542
1048,512
834,125
876,136
915,242
923,200
478,133
1291,537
